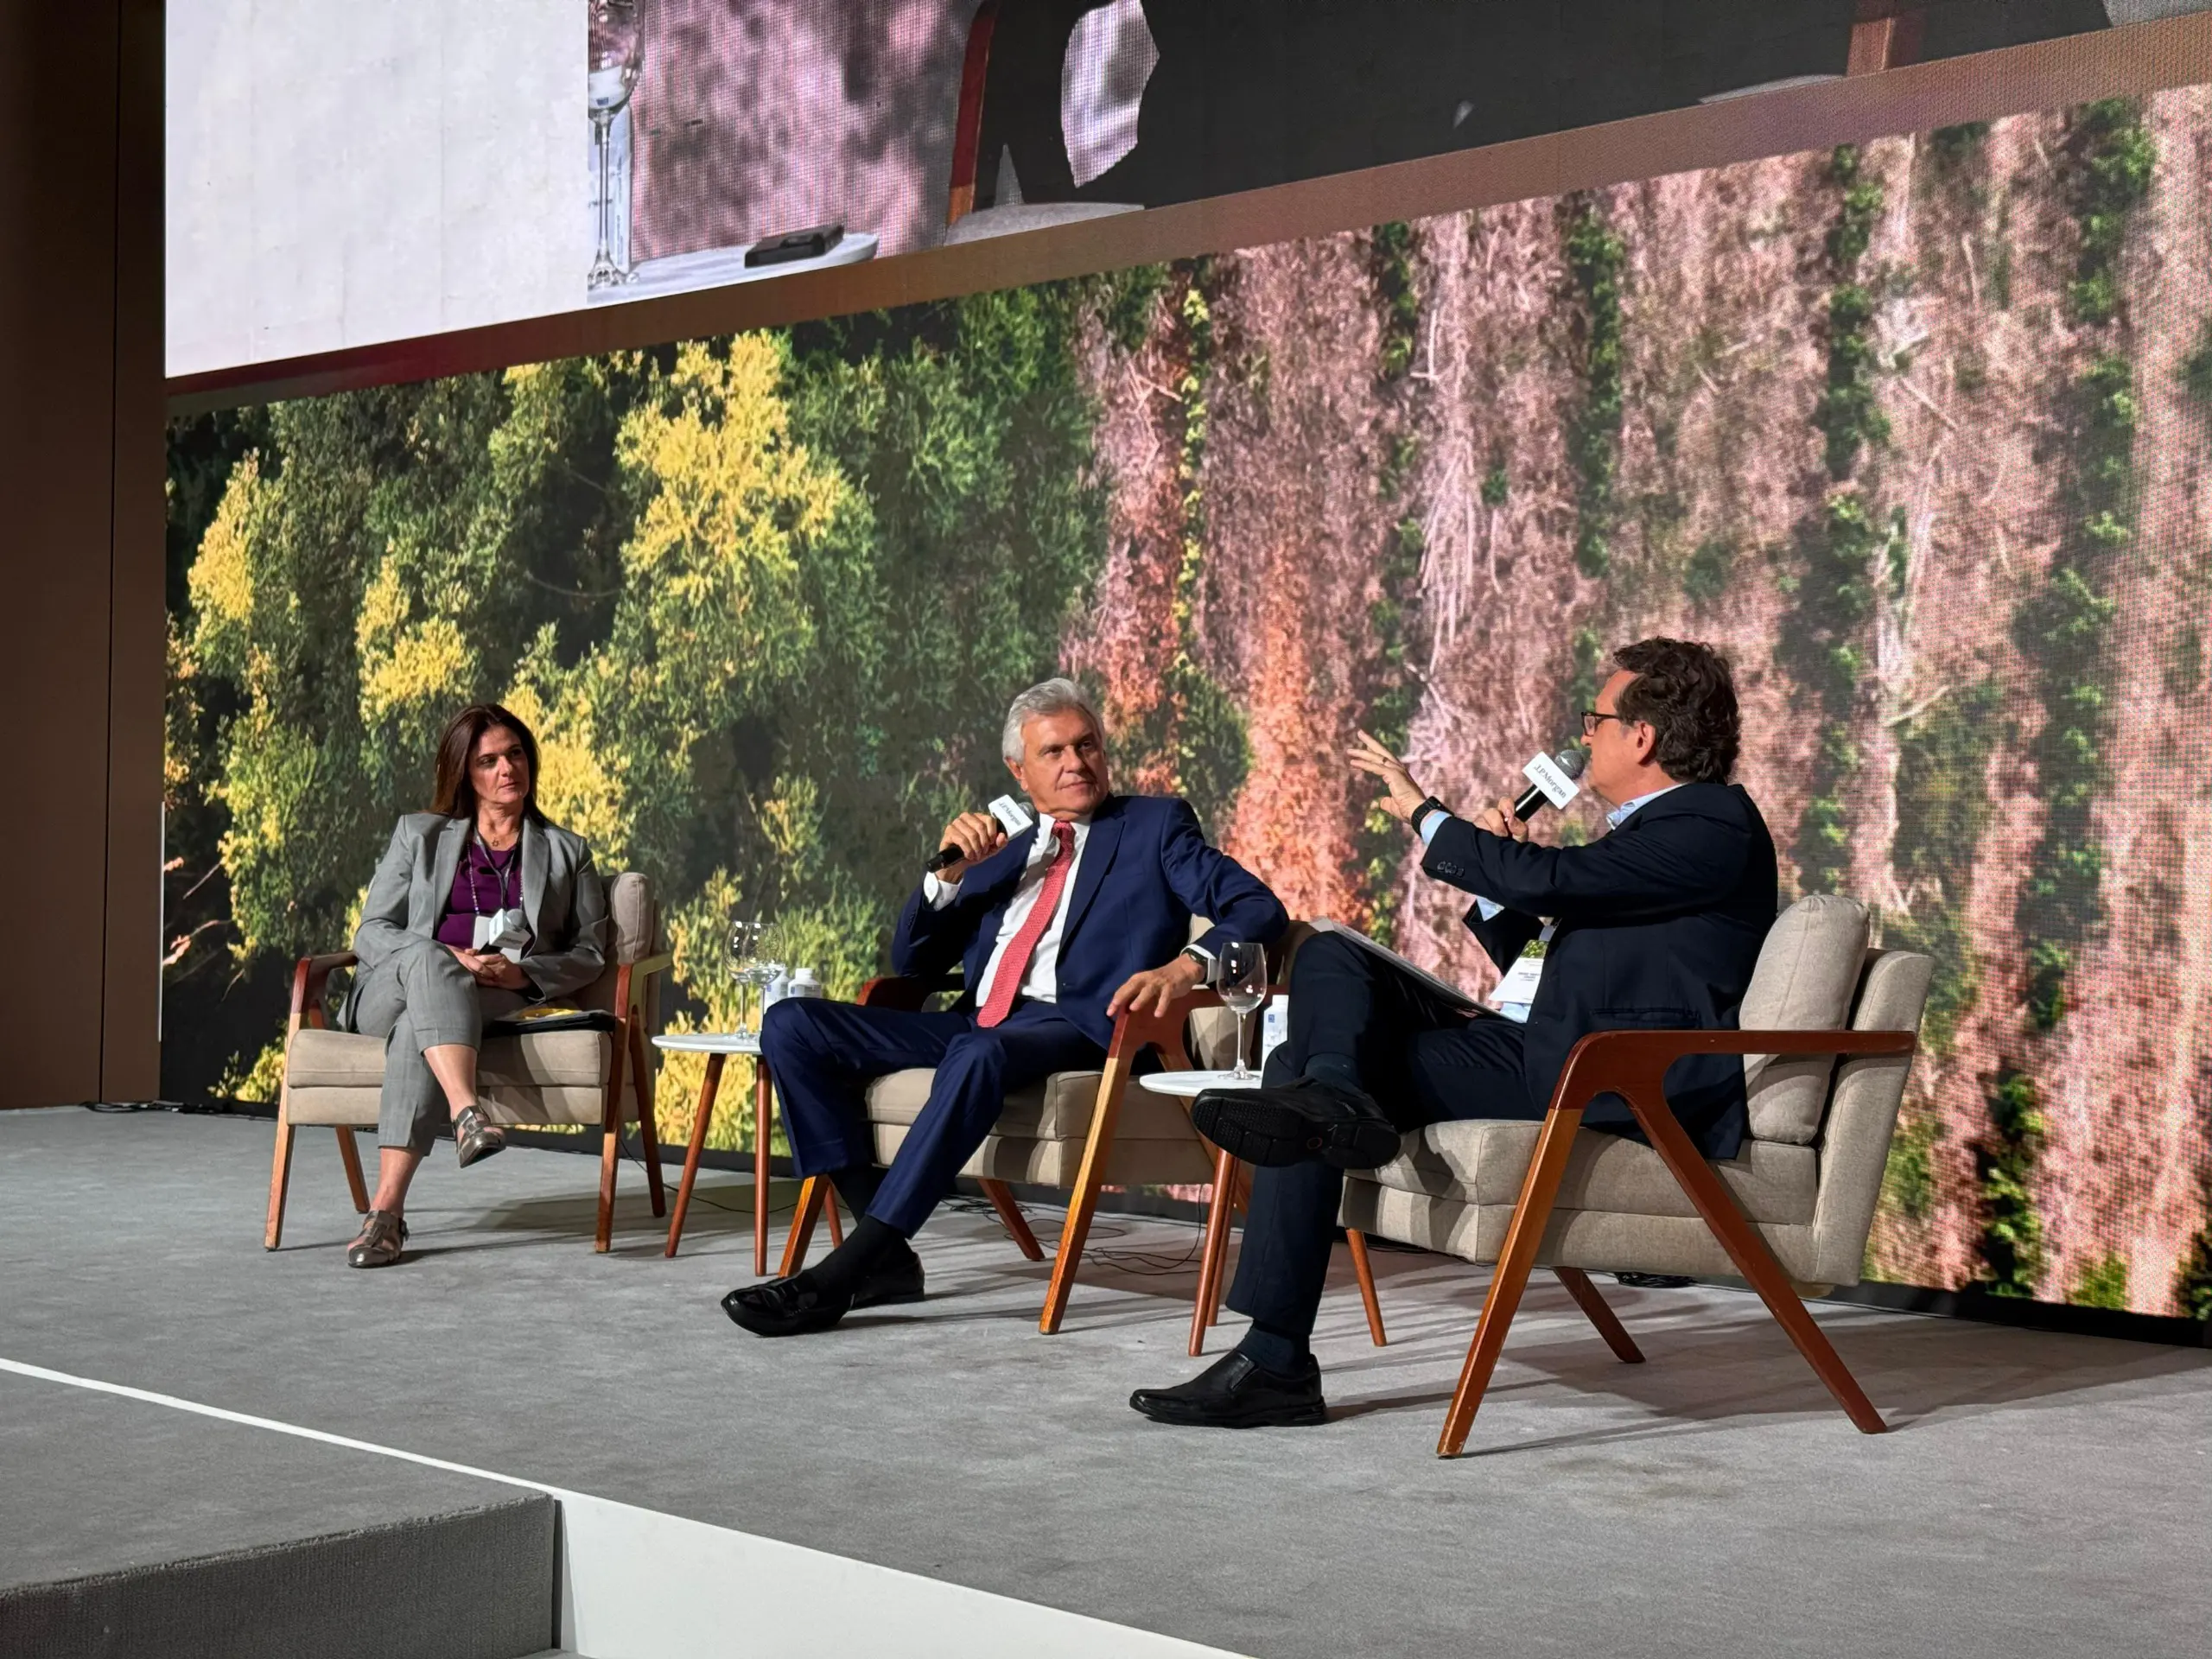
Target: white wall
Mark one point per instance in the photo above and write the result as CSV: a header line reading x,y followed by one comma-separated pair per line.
x,y
347,171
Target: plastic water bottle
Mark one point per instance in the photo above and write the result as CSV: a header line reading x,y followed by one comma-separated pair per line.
x,y
778,987
803,983
1274,1027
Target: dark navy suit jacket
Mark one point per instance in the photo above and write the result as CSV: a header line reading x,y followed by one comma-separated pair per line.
x,y
1660,925
1146,870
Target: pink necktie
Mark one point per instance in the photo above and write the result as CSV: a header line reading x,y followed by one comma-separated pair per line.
x,y
1013,968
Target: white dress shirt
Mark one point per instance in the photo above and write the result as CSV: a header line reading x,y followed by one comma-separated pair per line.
x,y
1042,983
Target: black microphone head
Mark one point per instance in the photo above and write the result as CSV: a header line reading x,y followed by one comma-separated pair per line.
x,y
1571,760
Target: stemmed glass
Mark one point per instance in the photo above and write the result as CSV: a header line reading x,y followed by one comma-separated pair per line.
x,y
617,55
744,940
1243,987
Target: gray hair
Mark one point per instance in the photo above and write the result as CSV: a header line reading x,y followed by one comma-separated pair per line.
x,y
1051,697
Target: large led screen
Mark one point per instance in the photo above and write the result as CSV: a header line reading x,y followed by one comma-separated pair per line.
x,y
340,174
1918,431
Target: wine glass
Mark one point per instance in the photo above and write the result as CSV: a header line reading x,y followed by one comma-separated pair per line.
x,y
744,963
617,52
1243,987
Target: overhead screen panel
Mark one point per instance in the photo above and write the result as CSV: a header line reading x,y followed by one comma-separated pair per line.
x,y
342,174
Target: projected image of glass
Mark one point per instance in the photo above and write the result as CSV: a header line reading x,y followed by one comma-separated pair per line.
x,y
617,55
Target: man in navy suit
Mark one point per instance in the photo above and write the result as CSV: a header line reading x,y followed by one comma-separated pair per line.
x,y
1659,923
1059,929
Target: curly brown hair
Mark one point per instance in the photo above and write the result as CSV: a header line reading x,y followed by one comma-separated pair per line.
x,y
1687,692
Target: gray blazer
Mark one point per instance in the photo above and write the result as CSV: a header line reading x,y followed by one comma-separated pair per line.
x,y
562,899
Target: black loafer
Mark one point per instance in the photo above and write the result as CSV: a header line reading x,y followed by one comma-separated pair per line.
x,y
1303,1119
1235,1393
785,1308
890,1283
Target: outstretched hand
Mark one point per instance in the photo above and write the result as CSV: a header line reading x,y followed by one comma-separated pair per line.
x,y
1161,985
1369,754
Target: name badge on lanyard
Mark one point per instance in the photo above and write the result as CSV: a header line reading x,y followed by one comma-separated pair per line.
x,y
1518,988
505,929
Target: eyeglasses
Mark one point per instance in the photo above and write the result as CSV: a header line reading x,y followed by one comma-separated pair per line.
x,y
1590,717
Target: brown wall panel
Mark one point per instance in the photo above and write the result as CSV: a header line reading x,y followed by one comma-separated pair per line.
x,y
131,1061
57,364
84,770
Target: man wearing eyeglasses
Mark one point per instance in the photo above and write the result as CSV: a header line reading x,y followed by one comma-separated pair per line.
x,y
1657,924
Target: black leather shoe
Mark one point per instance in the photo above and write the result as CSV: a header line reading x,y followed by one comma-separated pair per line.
x,y
1235,1393
785,1308
890,1283
1303,1119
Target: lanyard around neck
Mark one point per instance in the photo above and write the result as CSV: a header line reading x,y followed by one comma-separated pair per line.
x,y
514,858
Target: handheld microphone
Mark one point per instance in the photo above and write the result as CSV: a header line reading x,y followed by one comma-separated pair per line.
x,y
1013,819
1551,781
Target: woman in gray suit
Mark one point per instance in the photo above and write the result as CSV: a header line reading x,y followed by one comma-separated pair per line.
x,y
478,908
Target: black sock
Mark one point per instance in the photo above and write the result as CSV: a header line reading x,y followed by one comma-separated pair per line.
x,y
871,1242
856,1184
1339,1069
1274,1350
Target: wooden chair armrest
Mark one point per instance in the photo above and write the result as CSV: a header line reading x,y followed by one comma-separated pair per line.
x,y
1633,1064
309,976
659,962
904,992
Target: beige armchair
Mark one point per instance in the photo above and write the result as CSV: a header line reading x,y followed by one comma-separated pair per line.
x,y
1077,1130
334,1077
1790,1213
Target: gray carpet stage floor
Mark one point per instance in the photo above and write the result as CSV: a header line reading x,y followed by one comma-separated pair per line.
x,y
2042,1494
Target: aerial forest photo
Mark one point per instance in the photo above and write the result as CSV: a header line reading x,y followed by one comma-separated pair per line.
x,y
1917,430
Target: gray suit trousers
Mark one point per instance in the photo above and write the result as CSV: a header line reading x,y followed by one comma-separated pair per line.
x,y
417,998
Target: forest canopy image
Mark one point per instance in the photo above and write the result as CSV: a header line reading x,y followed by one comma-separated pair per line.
x,y
1916,430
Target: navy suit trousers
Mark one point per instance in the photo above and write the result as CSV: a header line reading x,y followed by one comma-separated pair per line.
x,y
1425,1061
825,1054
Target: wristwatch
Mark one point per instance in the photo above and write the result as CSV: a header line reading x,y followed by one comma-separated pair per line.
x,y
1205,963
1414,819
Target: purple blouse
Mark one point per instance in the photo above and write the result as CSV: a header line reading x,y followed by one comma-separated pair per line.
x,y
478,886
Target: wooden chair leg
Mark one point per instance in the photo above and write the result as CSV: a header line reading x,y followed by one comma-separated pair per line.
x,y
610,1151
648,1131
1756,1262
1212,1249
1082,1204
709,1088
350,1155
811,1193
1608,1323
830,1215
1531,1213
1002,1200
1240,1197
280,1181
764,1128
1363,1270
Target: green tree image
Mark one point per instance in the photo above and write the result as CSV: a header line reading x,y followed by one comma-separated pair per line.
x,y
751,594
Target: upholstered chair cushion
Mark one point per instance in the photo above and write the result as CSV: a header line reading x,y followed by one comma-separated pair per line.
x,y
1058,1108
1806,973
554,1077
634,920
1863,1113
1483,1160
